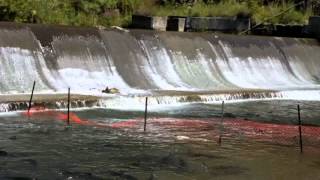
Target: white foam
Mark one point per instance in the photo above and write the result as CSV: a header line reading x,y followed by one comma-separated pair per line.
x,y
18,70
261,73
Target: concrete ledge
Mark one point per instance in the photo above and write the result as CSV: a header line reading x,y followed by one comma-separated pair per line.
x,y
141,22
224,24
282,30
289,30
149,22
176,23
314,25
159,23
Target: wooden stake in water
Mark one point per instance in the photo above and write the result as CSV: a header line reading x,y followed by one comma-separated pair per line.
x,y
68,119
145,115
221,123
300,131
30,101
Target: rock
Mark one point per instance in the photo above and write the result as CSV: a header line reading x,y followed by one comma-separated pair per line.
x,y
111,91
114,90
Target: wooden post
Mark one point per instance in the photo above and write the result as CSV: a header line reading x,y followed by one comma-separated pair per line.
x,y
145,115
300,131
221,123
30,101
68,119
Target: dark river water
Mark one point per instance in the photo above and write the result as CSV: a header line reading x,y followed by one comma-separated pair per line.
x,y
259,140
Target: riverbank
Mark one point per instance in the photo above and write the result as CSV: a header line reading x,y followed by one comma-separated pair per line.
x,y
119,13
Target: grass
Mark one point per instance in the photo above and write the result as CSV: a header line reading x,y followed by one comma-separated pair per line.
x,y
259,14
273,13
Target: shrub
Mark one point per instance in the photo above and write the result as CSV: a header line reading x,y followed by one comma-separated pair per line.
x,y
283,14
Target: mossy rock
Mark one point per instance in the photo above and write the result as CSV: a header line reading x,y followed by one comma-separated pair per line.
x,y
191,98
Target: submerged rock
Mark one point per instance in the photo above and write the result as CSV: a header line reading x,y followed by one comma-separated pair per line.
x,y
32,162
13,138
205,155
227,170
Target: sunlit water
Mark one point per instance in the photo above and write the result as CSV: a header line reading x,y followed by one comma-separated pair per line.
x,y
180,143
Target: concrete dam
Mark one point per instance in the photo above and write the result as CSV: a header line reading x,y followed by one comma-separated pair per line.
x,y
219,106
148,62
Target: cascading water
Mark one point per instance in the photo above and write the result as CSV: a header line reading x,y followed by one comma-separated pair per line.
x,y
21,62
163,64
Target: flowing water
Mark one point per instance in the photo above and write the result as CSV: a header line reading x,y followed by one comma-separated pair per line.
x,y
111,144
186,77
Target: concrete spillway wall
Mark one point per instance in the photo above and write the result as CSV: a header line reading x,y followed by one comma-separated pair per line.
x,y
224,24
89,59
172,23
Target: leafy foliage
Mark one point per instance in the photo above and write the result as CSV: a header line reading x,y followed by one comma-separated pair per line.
x,y
118,12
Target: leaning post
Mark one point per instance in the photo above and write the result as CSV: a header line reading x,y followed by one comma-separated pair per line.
x,y
221,123
68,118
300,131
145,115
30,101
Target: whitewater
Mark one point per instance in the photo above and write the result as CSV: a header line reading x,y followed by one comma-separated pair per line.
x,y
168,66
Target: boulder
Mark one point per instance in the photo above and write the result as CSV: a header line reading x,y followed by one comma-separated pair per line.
x,y
111,91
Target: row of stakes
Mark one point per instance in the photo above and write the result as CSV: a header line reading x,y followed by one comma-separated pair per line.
x,y
146,114
31,97
68,106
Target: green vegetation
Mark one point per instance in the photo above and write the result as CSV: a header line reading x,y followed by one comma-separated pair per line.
x,y
118,12
201,9
69,12
282,14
